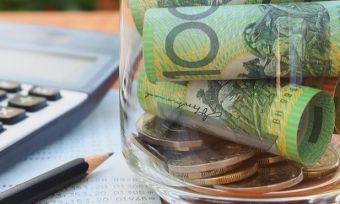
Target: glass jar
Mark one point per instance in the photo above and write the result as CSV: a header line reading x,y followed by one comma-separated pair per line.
x,y
232,101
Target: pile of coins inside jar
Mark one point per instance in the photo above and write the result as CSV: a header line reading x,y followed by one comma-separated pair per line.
x,y
219,167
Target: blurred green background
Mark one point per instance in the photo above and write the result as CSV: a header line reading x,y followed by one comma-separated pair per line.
x,y
37,5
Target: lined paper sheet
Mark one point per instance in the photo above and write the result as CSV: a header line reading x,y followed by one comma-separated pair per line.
x,y
112,182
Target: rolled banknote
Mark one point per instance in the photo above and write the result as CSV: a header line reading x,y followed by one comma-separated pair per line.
x,y
139,7
242,41
296,122
332,86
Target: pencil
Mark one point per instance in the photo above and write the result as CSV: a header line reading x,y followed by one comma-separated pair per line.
x,y
52,181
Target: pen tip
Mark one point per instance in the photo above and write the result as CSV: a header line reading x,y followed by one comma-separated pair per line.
x,y
110,154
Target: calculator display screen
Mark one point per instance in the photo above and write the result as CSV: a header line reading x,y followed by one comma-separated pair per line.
x,y
46,68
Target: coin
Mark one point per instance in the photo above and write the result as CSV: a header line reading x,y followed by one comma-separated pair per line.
x,y
305,188
155,131
173,126
204,174
267,159
259,151
268,179
246,170
149,150
336,142
310,186
218,156
329,162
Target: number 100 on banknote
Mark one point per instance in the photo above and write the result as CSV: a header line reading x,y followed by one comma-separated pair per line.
x,y
242,41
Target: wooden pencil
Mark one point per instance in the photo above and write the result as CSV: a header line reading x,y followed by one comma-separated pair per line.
x,y
52,181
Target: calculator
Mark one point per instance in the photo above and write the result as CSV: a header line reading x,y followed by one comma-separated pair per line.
x,y
50,79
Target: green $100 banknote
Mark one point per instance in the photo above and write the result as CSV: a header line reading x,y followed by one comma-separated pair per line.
x,y
242,41
139,7
293,121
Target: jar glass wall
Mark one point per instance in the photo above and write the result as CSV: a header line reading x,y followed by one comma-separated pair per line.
x,y
232,101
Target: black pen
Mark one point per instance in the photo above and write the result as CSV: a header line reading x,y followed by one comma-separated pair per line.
x,y
52,181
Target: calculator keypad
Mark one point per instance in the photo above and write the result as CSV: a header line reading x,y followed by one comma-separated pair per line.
x,y
10,87
29,103
49,93
34,109
10,115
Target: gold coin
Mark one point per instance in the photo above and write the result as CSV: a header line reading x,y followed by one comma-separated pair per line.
x,y
259,151
309,186
305,188
268,159
155,131
268,179
244,171
316,185
328,163
218,156
205,174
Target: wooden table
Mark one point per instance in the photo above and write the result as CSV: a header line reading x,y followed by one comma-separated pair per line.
x,y
101,21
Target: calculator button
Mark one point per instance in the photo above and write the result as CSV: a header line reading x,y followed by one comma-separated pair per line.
x,y
9,115
29,103
2,95
49,93
10,86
